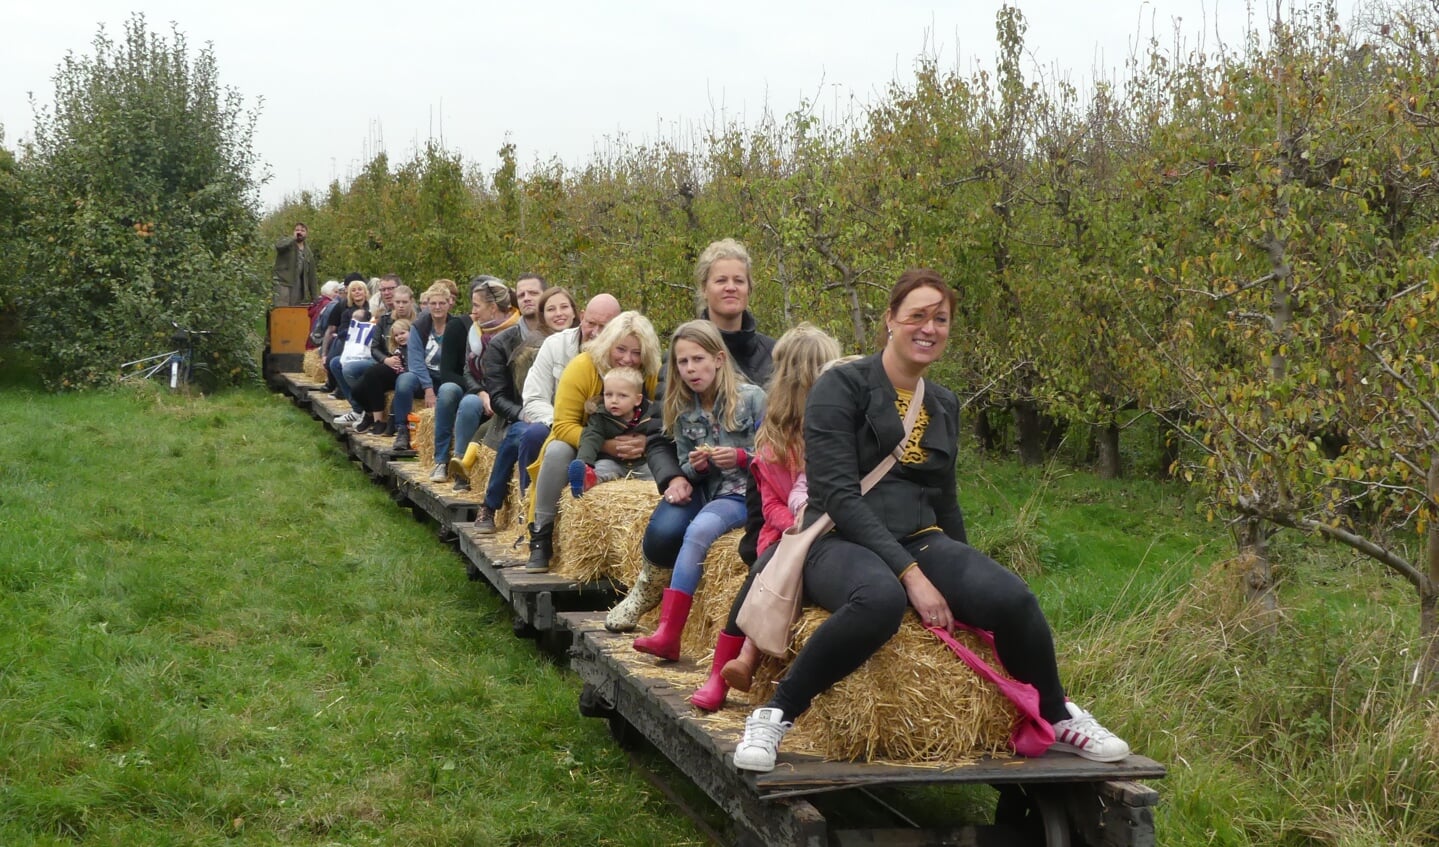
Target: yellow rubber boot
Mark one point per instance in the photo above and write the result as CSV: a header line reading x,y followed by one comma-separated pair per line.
x,y
461,469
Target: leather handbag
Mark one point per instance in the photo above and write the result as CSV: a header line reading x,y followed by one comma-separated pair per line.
x,y
772,605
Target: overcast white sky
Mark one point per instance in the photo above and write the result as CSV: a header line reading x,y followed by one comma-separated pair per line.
x,y
337,82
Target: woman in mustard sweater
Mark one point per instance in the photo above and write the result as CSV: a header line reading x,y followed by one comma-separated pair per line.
x,y
627,341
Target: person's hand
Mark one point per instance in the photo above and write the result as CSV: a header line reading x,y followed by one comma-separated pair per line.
x,y
393,362
931,606
724,458
699,459
485,401
679,491
629,447
429,398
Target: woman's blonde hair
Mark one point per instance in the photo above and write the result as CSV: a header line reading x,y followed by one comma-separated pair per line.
x,y
439,289
800,356
679,397
626,324
354,287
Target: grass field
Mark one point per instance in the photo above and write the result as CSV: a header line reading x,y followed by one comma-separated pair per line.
x,y
214,630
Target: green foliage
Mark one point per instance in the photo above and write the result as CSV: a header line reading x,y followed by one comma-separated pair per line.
x,y
140,209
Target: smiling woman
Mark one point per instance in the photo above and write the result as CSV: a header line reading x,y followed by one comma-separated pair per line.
x,y
902,544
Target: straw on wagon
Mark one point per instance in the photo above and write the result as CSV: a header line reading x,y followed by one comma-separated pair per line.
x,y
913,701
313,367
423,438
598,535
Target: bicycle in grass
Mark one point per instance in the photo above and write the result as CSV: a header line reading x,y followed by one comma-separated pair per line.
x,y
178,366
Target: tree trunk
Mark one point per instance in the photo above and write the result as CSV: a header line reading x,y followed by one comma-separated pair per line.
x,y
1258,577
1055,429
1030,433
1429,596
1108,438
1169,440
984,433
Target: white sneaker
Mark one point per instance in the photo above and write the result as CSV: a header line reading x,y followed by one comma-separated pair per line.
x,y
440,473
1083,736
763,731
348,420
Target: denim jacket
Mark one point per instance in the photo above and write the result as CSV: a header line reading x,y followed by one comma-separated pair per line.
x,y
694,427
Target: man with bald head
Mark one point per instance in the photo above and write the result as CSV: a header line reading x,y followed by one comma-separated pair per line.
x,y
538,412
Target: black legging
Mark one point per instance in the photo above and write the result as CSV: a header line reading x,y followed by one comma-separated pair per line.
x,y
867,604
369,392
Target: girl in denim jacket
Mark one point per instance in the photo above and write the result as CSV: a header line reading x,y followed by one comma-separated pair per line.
x,y
712,414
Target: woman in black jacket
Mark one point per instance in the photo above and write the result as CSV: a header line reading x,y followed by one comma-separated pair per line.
x,y
902,544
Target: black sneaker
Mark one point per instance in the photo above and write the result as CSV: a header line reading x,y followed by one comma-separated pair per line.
x,y
367,423
402,438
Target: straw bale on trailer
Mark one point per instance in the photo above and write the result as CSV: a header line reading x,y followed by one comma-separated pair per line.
x,y
914,701
598,535
422,439
314,368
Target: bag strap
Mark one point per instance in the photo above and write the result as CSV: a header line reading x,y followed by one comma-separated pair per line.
x,y
911,415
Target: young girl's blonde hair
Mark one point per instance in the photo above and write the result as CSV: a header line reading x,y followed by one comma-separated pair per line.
x,y
679,397
800,356
396,328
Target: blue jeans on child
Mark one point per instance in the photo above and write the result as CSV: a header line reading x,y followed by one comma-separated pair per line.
x,y
717,517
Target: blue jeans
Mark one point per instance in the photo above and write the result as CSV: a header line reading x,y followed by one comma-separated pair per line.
x,y
530,444
717,517
346,375
468,418
406,386
447,405
508,455
665,533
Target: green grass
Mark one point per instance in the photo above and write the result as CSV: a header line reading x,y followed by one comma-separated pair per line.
x,y
214,630
212,627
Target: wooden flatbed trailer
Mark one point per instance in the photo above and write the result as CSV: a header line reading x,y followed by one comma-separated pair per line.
x,y
1056,800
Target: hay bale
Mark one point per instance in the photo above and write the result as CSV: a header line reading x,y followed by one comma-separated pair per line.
x,y
314,368
422,438
512,514
595,533
913,701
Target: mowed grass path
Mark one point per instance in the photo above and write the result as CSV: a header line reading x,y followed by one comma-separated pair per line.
x,y
213,629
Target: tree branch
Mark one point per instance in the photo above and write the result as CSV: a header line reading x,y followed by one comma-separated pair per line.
x,y
1379,553
1263,280
1404,381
